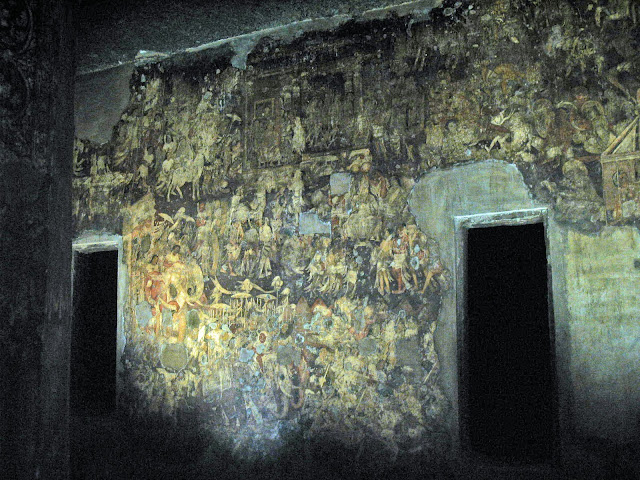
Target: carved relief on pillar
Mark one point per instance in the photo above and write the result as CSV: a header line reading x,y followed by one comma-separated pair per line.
x,y
16,35
16,26
14,91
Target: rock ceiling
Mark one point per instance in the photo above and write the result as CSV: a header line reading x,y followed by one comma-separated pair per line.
x,y
110,33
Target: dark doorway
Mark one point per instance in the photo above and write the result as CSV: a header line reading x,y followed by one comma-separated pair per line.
x,y
508,382
94,335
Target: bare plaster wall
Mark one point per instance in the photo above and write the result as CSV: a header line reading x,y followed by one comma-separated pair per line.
x,y
603,282
100,99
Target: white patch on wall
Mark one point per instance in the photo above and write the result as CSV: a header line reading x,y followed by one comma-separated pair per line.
x,y
100,99
311,224
340,183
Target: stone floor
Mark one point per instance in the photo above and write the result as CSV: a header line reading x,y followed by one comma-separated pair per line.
x,y
114,447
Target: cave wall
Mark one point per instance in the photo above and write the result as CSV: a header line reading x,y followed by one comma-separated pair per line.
x,y
279,277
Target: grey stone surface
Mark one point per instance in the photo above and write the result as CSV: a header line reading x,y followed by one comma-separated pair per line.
x,y
100,99
311,224
36,148
110,33
340,183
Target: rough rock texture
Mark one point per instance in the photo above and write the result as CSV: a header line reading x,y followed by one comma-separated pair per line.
x,y
36,140
113,32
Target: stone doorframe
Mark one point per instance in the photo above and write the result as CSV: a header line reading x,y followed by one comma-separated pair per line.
x,y
462,224
481,191
100,242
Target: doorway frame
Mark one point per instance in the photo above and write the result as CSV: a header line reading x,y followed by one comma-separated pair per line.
x,y
462,225
100,242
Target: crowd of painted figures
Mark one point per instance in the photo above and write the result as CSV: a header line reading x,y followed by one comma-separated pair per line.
x,y
232,298
275,270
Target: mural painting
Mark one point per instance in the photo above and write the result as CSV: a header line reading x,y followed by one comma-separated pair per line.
x,y
262,324
275,271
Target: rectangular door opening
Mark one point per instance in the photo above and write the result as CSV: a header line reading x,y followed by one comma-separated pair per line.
x,y
94,333
507,375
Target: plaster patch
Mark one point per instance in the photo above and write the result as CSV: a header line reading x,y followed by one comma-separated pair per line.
x,y
311,224
174,356
340,183
602,281
100,99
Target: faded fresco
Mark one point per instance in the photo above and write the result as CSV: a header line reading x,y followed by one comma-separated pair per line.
x,y
232,308
276,276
